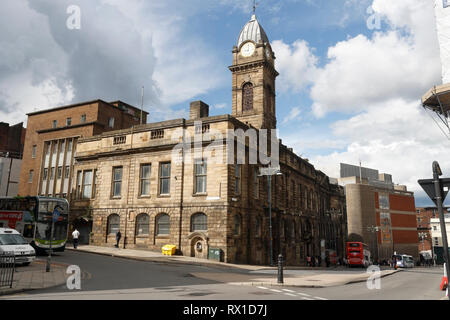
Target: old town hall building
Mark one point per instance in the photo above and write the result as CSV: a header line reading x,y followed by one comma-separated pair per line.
x,y
129,180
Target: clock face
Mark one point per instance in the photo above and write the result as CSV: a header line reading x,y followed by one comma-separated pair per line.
x,y
247,49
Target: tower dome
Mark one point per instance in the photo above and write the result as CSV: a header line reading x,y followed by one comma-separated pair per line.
x,y
252,31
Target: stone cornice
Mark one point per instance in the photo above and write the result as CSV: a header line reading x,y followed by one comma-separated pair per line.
x,y
253,65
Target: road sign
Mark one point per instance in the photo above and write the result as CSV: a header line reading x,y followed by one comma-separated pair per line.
x,y
55,214
270,171
428,186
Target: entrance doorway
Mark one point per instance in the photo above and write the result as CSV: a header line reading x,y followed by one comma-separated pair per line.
x,y
198,248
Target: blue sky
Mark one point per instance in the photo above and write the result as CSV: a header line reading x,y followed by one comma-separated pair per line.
x,y
346,92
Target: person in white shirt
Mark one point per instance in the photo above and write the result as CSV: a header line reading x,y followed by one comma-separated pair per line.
x,y
75,236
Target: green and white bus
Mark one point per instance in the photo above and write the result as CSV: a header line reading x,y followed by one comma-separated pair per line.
x,y
32,217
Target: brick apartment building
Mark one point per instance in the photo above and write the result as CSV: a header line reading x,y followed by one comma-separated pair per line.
x,y
380,213
12,140
51,142
424,216
135,185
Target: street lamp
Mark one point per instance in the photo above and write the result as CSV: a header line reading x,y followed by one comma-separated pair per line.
x,y
423,236
269,172
374,229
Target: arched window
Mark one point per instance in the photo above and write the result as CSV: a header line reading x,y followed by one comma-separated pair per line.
x,y
247,97
237,225
287,230
113,223
300,229
162,224
310,200
199,222
305,198
258,227
142,223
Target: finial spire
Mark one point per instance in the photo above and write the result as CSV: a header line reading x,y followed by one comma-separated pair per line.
x,y
254,7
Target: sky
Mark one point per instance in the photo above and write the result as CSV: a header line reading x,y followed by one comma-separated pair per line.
x,y
352,72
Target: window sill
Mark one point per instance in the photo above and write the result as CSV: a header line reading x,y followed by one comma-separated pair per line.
x,y
164,196
116,198
165,236
143,236
200,194
144,197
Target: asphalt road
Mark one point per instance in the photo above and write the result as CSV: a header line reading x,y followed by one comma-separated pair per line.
x,y
115,278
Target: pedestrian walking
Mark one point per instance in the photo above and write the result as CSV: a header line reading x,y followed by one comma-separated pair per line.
x,y
308,260
319,261
118,236
327,260
75,235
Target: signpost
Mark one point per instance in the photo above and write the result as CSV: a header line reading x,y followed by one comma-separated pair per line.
x,y
435,190
55,217
269,172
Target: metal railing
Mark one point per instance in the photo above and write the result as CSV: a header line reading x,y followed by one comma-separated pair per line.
x,y
7,268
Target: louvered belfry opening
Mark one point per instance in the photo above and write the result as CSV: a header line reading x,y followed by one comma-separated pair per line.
x,y
247,97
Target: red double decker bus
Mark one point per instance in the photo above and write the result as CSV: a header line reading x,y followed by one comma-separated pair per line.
x,y
358,254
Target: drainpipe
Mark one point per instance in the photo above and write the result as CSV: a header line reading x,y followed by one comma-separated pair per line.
x,y
182,188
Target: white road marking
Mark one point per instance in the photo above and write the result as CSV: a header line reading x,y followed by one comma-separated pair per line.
x,y
287,290
290,294
264,288
320,298
304,294
305,298
274,290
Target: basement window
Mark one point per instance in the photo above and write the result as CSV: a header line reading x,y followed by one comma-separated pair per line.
x,y
120,140
157,134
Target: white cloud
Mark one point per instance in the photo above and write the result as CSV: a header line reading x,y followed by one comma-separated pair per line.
x,y
293,115
401,62
296,64
122,45
379,80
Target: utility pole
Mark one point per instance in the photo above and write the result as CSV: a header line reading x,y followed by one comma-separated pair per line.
x,y
438,191
435,190
269,172
9,173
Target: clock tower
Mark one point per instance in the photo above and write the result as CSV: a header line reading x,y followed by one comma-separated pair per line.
x,y
254,76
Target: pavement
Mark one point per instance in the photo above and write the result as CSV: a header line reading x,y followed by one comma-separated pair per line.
x,y
256,275
33,277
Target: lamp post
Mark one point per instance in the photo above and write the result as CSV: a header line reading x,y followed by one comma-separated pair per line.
x,y
9,173
423,236
437,190
55,216
374,229
269,172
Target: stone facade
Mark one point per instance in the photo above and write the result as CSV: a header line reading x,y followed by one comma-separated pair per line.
x,y
231,210
305,206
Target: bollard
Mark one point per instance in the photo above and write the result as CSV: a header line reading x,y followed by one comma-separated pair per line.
x,y
280,269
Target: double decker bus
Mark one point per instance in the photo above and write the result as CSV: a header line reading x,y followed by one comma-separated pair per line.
x,y
358,254
32,217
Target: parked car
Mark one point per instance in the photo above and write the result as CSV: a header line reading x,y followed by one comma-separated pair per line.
x,y
404,261
12,241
